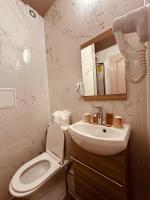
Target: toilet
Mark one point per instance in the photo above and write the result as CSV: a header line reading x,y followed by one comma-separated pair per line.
x,y
33,174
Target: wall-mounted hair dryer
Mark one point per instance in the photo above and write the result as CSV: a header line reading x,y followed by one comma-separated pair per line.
x,y
135,21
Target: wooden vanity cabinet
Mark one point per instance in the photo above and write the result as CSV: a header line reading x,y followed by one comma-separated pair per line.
x,y
101,177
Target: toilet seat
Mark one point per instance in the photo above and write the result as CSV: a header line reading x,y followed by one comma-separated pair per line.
x,y
43,167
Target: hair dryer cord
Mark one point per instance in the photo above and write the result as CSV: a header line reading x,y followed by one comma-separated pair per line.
x,y
142,63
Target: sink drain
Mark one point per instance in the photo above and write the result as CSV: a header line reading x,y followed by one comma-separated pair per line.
x,y
104,130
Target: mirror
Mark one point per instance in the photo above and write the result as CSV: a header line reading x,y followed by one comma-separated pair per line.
x,y
103,69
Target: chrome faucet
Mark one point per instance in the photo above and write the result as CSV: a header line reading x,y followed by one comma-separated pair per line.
x,y
100,115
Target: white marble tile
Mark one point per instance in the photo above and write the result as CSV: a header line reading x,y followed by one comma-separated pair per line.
x,y
68,24
22,129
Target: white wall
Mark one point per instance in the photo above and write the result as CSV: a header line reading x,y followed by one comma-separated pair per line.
x,y
68,24
22,129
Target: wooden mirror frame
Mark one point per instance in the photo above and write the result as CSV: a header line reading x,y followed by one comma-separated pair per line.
x,y
103,41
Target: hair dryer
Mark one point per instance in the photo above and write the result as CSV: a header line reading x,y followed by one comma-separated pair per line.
x,y
137,21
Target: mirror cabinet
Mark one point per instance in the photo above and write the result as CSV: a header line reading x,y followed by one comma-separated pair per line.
x,y
103,69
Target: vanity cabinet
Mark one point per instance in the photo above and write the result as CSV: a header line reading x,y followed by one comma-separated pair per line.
x,y
101,177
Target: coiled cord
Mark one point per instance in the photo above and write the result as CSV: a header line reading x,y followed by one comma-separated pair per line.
x,y
142,63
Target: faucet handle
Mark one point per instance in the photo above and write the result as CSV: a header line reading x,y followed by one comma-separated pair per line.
x,y
100,108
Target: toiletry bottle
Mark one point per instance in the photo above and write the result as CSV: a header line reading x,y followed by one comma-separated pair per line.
x,y
94,119
109,119
86,118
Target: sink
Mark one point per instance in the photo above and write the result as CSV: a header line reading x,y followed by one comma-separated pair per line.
x,y
99,139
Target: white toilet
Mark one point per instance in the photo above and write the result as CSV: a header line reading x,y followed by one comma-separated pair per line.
x,y
33,174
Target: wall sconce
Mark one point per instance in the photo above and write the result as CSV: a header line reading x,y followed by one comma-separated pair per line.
x,y
26,55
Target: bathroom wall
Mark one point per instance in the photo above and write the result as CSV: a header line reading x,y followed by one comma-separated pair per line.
x,y
22,129
68,24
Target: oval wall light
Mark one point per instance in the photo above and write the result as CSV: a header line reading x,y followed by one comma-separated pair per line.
x,y
26,55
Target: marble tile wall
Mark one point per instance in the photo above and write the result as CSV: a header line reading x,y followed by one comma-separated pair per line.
x,y
22,129
68,24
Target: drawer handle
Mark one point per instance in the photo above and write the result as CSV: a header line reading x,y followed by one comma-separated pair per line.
x,y
109,179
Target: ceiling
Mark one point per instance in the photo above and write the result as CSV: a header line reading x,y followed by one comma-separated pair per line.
x,y
41,6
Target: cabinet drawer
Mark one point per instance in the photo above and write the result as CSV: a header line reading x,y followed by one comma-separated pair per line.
x,y
114,167
85,192
98,184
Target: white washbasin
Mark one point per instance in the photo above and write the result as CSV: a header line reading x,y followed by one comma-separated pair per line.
x,y
100,139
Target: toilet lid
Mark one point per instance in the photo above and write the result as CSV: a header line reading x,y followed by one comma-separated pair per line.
x,y
55,141
34,173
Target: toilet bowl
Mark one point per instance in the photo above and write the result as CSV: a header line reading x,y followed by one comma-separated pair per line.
x,y
33,174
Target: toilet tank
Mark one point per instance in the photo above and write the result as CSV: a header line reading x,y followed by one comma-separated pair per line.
x,y
58,141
